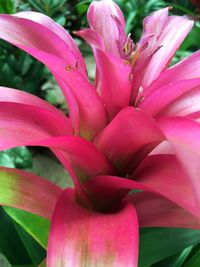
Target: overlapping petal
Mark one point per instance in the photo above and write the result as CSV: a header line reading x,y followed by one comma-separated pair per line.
x,y
184,135
165,175
127,133
85,158
80,237
20,189
187,104
115,92
161,175
156,211
188,68
22,124
59,31
170,35
49,48
107,20
155,102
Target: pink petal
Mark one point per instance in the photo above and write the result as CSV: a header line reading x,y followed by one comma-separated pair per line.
x,y
172,34
108,191
37,30
58,30
164,175
85,158
115,83
92,38
155,24
73,106
188,68
86,107
47,47
127,133
163,148
105,17
155,211
80,237
187,104
164,95
19,189
184,135
21,124
17,96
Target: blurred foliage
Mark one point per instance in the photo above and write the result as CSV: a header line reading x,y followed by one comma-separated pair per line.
x,y
19,157
179,247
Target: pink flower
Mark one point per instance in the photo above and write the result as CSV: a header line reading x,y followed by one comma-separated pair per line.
x,y
135,128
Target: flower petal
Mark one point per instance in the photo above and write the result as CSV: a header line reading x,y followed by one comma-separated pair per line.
x,y
80,237
17,96
34,30
155,211
164,95
85,158
58,30
104,17
92,38
184,135
22,124
115,83
187,104
165,175
188,68
127,133
107,191
19,189
47,47
171,35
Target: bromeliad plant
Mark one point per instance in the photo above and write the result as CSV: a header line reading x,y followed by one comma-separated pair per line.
x,y
135,128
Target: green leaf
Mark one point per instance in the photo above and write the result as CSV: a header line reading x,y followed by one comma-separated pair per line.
x,y
7,6
36,226
159,243
35,251
194,261
175,260
10,243
192,39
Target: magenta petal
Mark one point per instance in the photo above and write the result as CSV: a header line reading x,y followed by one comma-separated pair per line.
x,y
47,47
187,104
171,36
115,83
19,189
108,191
155,23
105,17
184,135
21,124
126,134
92,38
86,159
80,237
155,102
188,68
86,107
35,30
17,96
58,30
165,175
155,211
26,33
